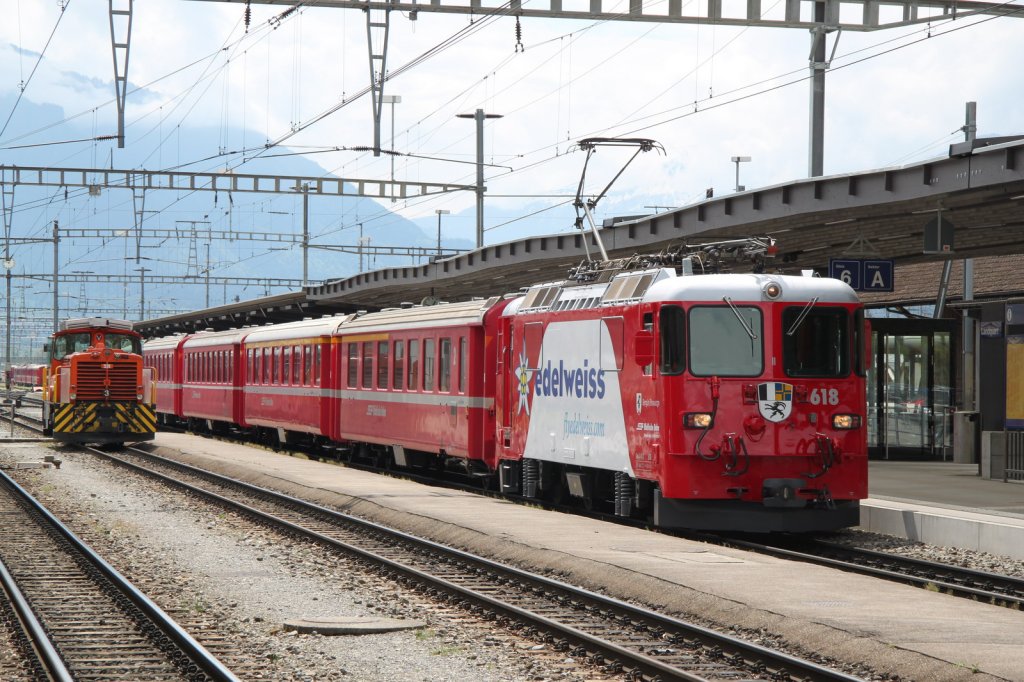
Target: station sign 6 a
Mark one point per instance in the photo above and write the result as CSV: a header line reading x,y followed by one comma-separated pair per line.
x,y
861,274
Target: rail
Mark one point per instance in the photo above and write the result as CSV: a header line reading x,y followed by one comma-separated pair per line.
x,y
199,657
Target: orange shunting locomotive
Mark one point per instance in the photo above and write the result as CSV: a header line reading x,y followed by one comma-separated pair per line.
x,y
96,389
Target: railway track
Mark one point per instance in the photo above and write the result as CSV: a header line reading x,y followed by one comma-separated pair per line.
x,y
993,588
617,637
79,618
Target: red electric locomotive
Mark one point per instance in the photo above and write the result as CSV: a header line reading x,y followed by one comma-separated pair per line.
x,y
727,402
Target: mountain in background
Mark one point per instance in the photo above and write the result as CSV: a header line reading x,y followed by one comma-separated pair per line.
x,y
333,221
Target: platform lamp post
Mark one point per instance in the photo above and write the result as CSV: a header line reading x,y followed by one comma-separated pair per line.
x,y
738,160
392,100
440,212
479,117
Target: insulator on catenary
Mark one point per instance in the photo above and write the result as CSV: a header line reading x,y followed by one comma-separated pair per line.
x,y
248,15
519,37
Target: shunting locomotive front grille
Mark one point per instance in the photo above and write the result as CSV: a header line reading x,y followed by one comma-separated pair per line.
x,y
96,377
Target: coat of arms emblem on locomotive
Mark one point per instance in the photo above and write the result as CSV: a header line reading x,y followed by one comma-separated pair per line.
x,y
775,400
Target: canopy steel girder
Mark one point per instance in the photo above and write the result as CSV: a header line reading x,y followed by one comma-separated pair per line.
x,y
232,235
171,279
217,182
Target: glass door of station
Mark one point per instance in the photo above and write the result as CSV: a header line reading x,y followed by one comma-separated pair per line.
x,y
910,390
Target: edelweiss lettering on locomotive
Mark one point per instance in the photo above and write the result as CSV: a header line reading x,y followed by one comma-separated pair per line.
x,y
585,382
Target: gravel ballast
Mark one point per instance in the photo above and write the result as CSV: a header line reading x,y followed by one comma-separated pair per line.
x,y
202,562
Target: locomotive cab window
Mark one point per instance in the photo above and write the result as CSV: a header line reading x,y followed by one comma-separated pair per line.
x,y
123,342
672,328
817,345
726,340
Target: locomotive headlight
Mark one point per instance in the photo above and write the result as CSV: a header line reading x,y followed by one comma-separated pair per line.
x,y
772,290
845,422
697,420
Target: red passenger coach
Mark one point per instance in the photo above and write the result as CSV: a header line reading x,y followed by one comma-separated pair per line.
x,y
164,356
287,381
212,370
420,381
27,377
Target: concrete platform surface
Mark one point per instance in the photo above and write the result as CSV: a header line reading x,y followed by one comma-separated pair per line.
x,y
946,504
895,629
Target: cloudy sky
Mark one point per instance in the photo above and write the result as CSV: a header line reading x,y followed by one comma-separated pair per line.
x,y
705,93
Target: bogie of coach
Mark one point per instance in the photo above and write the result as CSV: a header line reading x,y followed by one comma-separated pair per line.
x,y
714,401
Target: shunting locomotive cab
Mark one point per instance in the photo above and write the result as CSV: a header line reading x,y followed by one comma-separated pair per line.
x,y
96,389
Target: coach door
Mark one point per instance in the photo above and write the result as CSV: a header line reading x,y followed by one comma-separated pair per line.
x,y
910,390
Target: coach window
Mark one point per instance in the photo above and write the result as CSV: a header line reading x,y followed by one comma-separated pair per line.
x,y
316,364
353,364
307,365
726,340
278,363
296,365
445,356
398,362
428,364
382,364
367,364
414,364
286,366
463,364
672,326
815,342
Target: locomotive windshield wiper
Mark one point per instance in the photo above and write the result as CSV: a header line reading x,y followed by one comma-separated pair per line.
x,y
750,332
800,318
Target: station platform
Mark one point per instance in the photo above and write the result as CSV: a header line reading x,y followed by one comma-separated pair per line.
x,y
944,503
895,629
